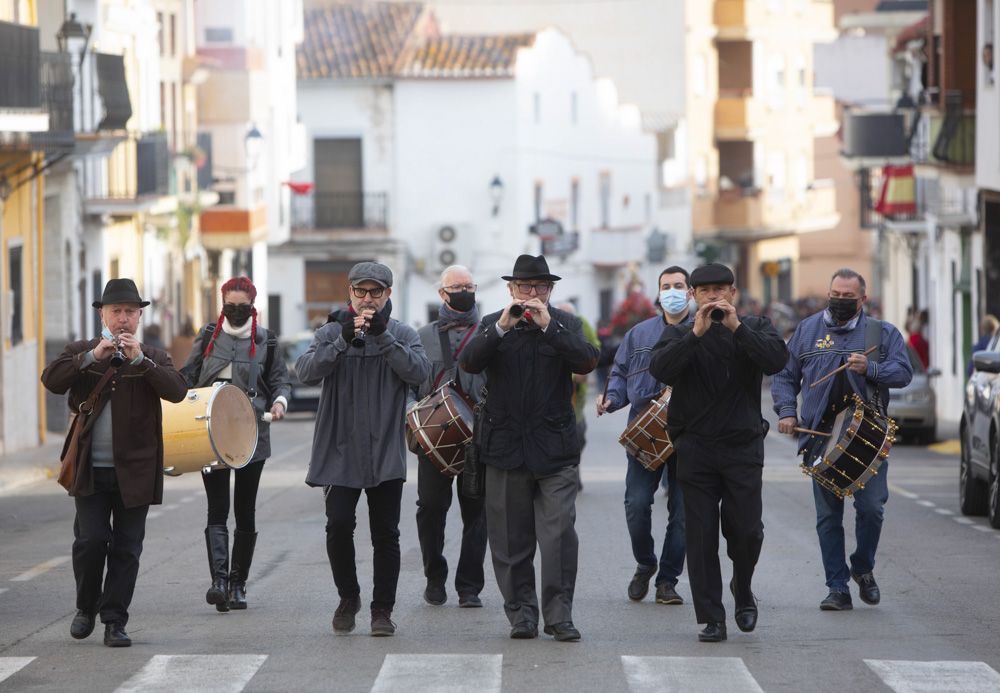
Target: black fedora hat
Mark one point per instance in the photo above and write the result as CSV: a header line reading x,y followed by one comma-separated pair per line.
x,y
120,291
531,267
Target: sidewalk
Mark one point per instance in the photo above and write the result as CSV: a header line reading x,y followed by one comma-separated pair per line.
x,y
25,467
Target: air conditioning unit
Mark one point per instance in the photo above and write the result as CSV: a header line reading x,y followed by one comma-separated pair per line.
x,y
451,244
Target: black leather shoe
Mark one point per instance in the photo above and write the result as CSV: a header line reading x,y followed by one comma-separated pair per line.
x,y
524,631
435,594
469,601
83,625
867,588
746,612
382,625
115,635
713,632
237,595
837,601
563,632
343,617
639,587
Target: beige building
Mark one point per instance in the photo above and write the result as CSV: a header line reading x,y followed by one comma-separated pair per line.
x,y
756,127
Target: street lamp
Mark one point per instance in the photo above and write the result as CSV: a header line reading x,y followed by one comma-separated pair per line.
x,y
253,143
496,193
72,29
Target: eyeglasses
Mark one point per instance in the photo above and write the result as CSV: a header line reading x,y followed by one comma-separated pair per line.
x,y
361,292
459,287
539,289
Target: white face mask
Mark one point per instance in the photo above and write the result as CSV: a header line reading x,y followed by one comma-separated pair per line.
x,y
674,301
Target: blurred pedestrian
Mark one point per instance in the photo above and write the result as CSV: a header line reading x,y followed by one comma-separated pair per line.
x,y
987,328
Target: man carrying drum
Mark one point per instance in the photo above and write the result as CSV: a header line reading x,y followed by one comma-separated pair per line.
x,y
841,335
631,383
444,340
715,366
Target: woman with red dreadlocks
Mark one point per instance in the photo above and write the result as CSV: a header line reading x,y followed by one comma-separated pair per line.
x,y
237,350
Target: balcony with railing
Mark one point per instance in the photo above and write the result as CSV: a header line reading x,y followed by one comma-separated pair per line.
x,y
20,88
739,115
946,139
56,95
136,177
340,211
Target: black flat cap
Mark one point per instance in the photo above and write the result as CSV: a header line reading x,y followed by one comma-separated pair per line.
x,y
712,274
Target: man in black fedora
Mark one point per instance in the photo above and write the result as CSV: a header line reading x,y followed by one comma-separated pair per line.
x,y
120,455
530,447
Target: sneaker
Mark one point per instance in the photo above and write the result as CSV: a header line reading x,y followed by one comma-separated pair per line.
x,y
837,601
343,617
382,625
639,586
666,594
868,588
435,594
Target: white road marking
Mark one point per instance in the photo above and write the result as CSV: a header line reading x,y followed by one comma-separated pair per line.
x,y
171,506
194,673
40,569
694,674
2,590
153,514
943,511
925,503
935,677
963,520
187,499
451,673
903,492
983,528
11,665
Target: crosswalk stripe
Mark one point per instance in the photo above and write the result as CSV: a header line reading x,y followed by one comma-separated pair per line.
x,y
194,674
688,674
11,665
935,677
40,568
426,673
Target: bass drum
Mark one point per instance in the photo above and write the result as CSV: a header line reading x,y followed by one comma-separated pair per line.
x,y
212,426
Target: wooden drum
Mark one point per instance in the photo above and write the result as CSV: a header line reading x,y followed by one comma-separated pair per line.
x,y
212,426
646,437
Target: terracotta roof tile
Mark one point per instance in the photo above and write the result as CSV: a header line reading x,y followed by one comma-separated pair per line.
x,y
352,40
464,56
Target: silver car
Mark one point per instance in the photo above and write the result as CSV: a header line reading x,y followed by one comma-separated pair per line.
x,y
914,407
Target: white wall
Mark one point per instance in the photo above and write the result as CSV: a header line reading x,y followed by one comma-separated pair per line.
x,y
291,269
988,106
856,68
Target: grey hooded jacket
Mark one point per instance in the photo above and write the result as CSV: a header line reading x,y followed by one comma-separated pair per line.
x,y
358,441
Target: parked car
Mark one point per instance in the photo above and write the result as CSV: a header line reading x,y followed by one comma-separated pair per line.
x,y
304,397
978,476
914,407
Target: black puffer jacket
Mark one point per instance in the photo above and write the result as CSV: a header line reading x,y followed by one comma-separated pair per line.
x,y
529,419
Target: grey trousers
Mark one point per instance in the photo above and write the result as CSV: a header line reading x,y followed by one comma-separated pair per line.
x,y
522,510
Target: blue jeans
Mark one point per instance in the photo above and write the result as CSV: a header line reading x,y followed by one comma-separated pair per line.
x,y
640,489
869,505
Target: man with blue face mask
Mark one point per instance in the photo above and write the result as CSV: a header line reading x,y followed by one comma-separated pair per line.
x,y
631,383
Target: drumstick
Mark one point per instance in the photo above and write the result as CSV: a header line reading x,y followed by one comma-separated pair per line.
x,y
798,429
604,395
837,370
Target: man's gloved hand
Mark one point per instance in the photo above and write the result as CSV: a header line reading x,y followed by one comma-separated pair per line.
x,y
376,325
346,320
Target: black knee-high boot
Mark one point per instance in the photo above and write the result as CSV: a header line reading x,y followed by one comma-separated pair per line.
x,y
243,546
217,542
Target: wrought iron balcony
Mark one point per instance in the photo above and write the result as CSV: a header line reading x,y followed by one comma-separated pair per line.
x,y
56,88
946,139
342,211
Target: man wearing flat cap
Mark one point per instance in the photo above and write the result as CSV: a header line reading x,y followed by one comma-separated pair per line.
x,y
119,474
530,448
366,362
715,366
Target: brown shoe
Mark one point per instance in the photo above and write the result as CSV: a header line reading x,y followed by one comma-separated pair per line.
x,y
666,594
382,625
343,617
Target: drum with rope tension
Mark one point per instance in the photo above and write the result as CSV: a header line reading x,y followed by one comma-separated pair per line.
x,y
646,437
441,425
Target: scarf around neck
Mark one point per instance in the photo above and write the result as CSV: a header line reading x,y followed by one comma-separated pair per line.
x,y
237,332
449,318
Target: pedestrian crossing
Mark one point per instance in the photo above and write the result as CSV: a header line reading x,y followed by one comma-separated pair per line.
x,y
465,673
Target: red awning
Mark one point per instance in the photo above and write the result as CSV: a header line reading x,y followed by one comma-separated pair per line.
x,y
917,30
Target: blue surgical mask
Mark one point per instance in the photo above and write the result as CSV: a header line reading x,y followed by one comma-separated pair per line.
x,y
674,301
106,333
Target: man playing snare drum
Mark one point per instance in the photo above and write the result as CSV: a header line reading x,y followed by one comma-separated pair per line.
x,y
840,335
631,383
443,340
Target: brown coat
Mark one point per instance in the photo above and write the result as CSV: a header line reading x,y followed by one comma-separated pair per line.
x,y
137,420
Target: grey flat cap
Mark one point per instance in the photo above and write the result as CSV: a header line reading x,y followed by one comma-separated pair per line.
x,y
374,271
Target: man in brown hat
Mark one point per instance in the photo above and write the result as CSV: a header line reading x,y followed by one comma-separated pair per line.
x,y
120,460
530,447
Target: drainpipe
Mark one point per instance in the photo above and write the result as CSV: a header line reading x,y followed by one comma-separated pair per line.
x,y
39,185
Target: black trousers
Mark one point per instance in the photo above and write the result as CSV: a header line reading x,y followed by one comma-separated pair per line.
x,y
716,477
383,522
244,495
105,531
433,502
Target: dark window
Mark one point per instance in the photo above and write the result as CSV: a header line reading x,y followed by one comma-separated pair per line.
x,y
274,313
214,34
173,35
538,202
17,295
159,33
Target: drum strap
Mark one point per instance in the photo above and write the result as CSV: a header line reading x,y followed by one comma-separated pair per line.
x,y
873,338
449,359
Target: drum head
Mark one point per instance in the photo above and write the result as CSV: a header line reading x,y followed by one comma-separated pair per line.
x,y
840,425
232,426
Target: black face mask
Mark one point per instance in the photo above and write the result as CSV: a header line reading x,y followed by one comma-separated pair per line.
x,y
843,309
237,313
462,301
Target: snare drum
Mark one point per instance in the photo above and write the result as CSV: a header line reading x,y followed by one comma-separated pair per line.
x,y
860,443
441,424
646,437
212,426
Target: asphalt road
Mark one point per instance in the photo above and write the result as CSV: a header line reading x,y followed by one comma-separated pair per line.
x,y
936,629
